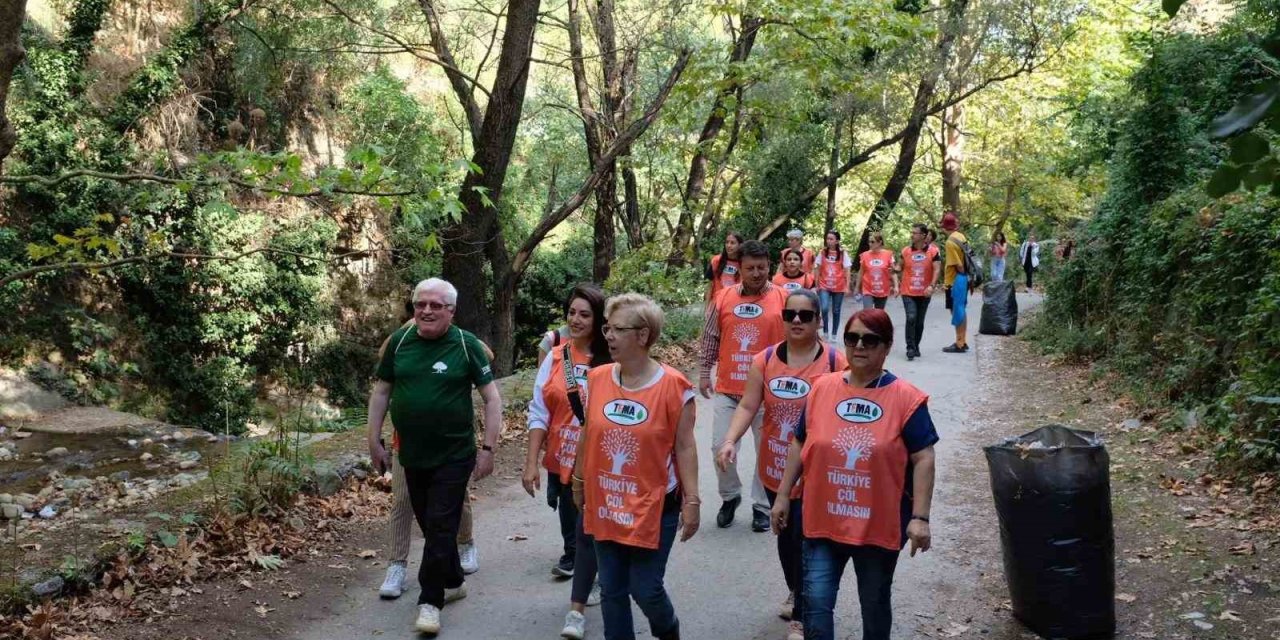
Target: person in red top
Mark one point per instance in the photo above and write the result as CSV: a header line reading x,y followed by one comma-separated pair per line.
x,y
555,418
636,472
740,323
864,449
876,274
792,275
920,273
999,249
795,244
780,380
723,268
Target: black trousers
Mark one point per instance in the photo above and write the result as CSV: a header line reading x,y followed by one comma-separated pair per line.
x,y
915,307
790,552
436,494
560,498
1026,266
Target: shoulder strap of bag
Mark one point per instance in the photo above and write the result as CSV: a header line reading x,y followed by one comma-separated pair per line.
x,y
571,385
555,337
831,359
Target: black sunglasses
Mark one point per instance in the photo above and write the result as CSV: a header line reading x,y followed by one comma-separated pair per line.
x,y
806,315
869,340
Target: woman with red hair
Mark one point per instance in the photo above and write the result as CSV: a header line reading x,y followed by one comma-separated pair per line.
x,y
864,449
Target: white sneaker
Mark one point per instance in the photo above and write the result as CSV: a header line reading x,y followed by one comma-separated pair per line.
x,y
393,586
428,619
575,626
795,630
454,595
593,598
470,557
784,611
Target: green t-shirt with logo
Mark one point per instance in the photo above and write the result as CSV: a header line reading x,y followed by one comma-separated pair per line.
x,y
431,382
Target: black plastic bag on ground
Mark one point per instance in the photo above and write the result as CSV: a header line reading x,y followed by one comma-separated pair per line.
x,y
999,309
1052,492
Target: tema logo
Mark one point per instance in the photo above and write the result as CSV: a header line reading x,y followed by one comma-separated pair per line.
x,y
791,286
876,262
748,310
627,413
919,257
858,410
788,388
580,374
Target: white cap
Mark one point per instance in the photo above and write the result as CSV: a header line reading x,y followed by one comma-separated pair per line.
x,y
795,233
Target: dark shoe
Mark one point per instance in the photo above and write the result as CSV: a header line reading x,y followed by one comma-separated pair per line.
x,y
759,521
564,568
954,349
911,355
725,517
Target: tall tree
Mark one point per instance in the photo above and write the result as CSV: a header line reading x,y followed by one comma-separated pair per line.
x,y
12,14
952,150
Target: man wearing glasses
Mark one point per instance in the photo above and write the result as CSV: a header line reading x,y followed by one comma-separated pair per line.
x,y
426,376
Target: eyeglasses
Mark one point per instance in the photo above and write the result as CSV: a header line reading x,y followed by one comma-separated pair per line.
x,y
608,329
434,306
869,340
805,315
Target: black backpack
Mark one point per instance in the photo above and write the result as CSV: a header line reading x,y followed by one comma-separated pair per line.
x,y
972,266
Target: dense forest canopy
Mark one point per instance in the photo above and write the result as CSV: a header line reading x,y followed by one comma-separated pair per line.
x,y
201,201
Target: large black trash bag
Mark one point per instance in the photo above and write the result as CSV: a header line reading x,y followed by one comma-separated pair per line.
x,y
1053,497
999,309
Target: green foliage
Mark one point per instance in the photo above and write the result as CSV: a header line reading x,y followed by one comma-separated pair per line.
x,y
273,473
540,298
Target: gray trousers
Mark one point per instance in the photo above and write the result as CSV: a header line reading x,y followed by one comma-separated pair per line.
x,y
722,409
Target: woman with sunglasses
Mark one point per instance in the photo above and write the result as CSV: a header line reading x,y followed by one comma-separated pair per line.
x,y
792,275
555,419
639,460
864,452
780,379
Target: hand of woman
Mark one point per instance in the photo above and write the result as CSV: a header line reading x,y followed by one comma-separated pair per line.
x,y
690,519
781,512
918,532
727,455
531,480
577,494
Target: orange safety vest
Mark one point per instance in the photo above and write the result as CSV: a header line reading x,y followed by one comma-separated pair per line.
x,y
748,324
833,276
627,455
855,462
806,259
918,270
803,281
876,267
785,389
563,428
728,277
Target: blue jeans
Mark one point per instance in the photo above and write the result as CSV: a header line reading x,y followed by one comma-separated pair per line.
x,y
997,269
959,299
830,302
824,562
636,573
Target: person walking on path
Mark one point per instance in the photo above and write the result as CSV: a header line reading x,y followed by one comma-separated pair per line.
x,y
833,266
956,279
1029,256
864,450
555,419
780,380
999,249
795,244
876,275
640,461
425,377
740,323
723,270
919,279
792,275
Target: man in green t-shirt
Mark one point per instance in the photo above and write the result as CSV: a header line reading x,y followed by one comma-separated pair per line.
x,y
426,375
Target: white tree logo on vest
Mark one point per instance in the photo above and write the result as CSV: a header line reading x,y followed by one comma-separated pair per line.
x,y
746,335
621,447
788,418
439,367
855,443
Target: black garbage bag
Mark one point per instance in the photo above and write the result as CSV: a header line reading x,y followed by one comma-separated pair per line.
x,y
1052,491
999,309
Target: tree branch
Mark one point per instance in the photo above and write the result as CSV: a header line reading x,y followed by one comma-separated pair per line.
x,y
150,177
463,85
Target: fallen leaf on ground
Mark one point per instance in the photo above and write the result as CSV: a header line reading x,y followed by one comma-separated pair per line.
x,y
1229,615
954,630
292,595
367,553
262,609
1126,597
1245,548
246,584
517,537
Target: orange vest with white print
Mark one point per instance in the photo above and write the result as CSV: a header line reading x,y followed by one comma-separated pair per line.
x,y
832,275
918,270
748,324
727,278
629,444
785,390
855,462
803,281
876,267
563,428
806,259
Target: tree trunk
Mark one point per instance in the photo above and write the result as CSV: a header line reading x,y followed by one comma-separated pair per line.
x,y
478,233
831,188
606,210
12,14
952,157
462,86
633,223
696,181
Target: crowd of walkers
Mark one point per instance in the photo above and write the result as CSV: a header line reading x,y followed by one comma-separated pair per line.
x,y
844,448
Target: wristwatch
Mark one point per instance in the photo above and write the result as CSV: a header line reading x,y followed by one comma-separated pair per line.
x,y
485,447
924,519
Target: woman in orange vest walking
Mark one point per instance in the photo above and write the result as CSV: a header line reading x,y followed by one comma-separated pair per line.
x,y
833,266
876,274
723,269
864,452
780,380
555,418
639,460
792,275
